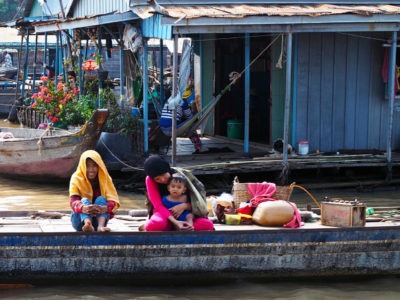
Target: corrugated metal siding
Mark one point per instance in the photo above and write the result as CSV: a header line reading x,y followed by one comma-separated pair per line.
x,y
98,7
152,28
340,93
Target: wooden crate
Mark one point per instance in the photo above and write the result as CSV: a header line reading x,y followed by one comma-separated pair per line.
x,y
342,214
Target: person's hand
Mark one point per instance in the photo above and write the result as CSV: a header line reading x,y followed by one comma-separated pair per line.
x,y
86,209
178,209
183,226
94,209
103,209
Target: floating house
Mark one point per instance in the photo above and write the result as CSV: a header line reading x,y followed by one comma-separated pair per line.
x,y
323,72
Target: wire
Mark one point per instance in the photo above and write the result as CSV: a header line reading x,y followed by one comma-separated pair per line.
x,y
120,161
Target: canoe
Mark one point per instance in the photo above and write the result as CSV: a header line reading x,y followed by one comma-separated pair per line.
x,y
53,251
47,154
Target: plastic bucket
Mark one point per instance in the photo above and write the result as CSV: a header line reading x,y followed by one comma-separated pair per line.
x,y
235,129
303,148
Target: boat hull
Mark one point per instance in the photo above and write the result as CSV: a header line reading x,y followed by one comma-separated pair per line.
x,y
41,155
271,253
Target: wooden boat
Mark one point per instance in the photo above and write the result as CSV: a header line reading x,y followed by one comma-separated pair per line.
x,y
8,72
33,249
47,154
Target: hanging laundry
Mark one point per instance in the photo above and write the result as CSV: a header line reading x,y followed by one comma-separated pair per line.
x,y
385,71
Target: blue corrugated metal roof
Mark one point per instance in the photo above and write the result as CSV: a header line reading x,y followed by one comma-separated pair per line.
x,y
152,28
98,7
88,21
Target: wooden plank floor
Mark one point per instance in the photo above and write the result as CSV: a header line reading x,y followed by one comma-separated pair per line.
x,y
227,156
261,158
31,222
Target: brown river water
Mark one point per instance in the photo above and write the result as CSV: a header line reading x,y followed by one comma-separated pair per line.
x,y
21,195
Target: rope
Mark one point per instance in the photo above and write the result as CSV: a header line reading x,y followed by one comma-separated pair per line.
x,y
234,76
120,161
40,141
284,175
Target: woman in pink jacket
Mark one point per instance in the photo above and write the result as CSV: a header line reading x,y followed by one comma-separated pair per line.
x,y
158,173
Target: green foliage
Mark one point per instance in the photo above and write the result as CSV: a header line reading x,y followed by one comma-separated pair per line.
x,y
79,111
119,120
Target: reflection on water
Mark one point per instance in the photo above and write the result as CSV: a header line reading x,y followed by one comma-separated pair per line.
x,y
22,195
387,288
6,123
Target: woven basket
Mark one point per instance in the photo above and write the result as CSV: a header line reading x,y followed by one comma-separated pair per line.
x,y
240,193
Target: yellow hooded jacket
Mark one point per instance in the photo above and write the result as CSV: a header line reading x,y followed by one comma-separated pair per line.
x,y
80,185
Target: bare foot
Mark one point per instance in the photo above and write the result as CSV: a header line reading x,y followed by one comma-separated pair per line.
x,y
103,229
141,228
88,227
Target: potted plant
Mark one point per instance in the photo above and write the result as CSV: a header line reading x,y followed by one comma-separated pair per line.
x,y
116,140
52,100
95,63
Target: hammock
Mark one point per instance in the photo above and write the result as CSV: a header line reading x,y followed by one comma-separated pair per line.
x,y
185,128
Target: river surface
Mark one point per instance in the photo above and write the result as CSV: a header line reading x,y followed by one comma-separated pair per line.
x,y
20,195
382,289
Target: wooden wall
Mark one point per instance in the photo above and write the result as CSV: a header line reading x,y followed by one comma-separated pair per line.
x,y
340,102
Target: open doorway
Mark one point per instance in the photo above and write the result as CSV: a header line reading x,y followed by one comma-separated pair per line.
x,y
230,111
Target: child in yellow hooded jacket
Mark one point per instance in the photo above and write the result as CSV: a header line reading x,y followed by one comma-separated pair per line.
x,y
93,197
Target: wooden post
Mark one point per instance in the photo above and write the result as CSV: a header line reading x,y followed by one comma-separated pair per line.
x,y
175,90
287,106
391,85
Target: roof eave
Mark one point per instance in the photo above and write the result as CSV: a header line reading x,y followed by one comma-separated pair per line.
x,y
283,24
136,3
86,22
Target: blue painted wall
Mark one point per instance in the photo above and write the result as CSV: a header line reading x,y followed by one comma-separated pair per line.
x,y
340,93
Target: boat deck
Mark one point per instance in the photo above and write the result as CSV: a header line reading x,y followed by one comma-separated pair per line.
x,y
36,247
59,222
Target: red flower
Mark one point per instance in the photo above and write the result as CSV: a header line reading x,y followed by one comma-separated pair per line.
x,y
51,100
